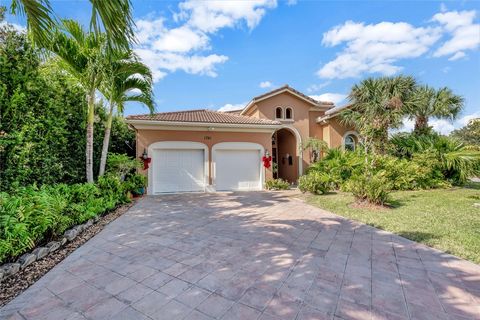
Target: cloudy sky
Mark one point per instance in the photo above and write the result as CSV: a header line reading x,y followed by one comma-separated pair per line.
x,y
219,54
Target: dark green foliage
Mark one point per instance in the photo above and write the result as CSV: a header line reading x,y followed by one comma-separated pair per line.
x,y
42,120
277,184
315,182
136,183
120,165
35,215
470,134
373,189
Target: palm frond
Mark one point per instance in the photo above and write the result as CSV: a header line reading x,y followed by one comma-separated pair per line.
x,y
39,18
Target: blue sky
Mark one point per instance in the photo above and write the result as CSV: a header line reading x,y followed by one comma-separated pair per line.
x,y
221,54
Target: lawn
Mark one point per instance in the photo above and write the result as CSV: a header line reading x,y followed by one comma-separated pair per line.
x,y
445,219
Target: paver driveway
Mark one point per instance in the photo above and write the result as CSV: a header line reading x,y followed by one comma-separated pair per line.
x,y
248,256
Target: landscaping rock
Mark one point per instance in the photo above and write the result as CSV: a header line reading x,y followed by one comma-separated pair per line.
x,y
63,241
2,275
26,259
40,252
96,219
89,223
476,205
53,245
10,268
71,234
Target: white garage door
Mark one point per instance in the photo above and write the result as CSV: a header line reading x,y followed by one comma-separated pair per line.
x,y
237,170
178,170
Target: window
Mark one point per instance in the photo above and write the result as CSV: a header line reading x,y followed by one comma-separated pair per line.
x,y
279,113
349,142
289,113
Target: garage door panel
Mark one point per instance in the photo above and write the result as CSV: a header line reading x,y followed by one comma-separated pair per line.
x,y
237,170
177,170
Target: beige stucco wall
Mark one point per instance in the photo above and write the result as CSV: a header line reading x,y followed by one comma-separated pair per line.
x,y
209,138
333,133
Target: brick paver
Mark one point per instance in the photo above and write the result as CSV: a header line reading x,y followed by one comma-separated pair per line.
x,y
249,256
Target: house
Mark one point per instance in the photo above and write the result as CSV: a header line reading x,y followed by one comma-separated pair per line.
x,y
204,150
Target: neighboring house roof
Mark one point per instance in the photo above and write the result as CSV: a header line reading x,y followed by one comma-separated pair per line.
x,y
332,113
202,116
287,88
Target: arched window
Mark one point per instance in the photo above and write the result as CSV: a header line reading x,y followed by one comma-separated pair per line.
x,y
349,142
289,113
279,113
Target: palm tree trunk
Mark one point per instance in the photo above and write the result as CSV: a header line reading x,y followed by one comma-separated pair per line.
x,y
89,147
421,124
106,141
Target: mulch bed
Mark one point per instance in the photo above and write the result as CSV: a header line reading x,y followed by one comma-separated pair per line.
x,y
19,282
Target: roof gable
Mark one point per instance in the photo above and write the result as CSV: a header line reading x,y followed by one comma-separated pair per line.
x,y
287,88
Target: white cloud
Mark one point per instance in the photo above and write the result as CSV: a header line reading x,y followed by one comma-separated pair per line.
x,y
184,46
292,2
15,26
441,126
265,84
317,87
336,98
210,16
232,107
458,55
465,34
375,48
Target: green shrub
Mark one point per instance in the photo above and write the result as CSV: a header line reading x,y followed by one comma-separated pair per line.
x,y
121,164
374,189
277,184
135,183
315,182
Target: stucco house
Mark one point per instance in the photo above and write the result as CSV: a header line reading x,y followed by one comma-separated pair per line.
x,y
204,150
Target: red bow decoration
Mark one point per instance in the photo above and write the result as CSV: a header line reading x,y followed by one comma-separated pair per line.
x,y
266,161
146,163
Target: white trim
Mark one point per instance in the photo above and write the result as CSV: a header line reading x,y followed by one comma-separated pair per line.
x,y
283,113
298,139
238,146
351,132
177,145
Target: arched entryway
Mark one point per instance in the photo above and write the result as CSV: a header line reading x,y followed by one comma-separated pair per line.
x,y
285,155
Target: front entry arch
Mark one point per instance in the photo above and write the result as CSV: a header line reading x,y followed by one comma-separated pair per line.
x,y
286,156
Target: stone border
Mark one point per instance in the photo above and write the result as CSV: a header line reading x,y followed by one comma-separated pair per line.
x,y
17,276
9,269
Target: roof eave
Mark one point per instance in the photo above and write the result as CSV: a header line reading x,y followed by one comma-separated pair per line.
x,y
134,122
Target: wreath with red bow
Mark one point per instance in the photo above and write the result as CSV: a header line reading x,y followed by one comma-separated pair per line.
x,y
146,163
266,161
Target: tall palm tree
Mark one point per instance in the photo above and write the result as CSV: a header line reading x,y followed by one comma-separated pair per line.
x,y
377,106
128,80
114,16
84,56
427,102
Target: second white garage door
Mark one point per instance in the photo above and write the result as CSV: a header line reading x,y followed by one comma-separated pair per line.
x,y
237,170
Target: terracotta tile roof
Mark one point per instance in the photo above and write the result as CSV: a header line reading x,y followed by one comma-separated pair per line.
x,y
202,116
328,103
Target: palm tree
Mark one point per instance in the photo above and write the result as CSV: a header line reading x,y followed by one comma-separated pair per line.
x,y
114,15
127,80
377,106
84,56
428,102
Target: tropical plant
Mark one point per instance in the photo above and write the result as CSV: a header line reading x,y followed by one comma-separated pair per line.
x,y
426,102
377,105
469,134
120,165
315,182
84,56
115,16
127,80
277,184
373,189
316,146
456,161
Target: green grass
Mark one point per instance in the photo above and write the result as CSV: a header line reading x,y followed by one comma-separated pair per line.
x,y
444,218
